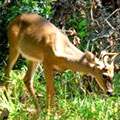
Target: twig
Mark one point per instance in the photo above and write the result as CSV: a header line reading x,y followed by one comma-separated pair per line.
x,y
104,36
91,13
112,14
110,25
106,20
110,33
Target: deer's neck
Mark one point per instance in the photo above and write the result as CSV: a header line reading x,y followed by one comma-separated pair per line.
x,y
80,64
76,60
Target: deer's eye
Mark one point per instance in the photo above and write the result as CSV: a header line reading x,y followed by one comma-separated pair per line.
x,y
105,75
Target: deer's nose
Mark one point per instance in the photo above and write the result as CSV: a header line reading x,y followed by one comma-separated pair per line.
x,y
110,92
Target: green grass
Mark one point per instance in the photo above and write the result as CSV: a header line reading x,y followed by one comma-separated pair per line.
x,y
73,103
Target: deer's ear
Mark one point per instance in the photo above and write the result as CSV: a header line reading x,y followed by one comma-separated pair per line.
x,y
90,57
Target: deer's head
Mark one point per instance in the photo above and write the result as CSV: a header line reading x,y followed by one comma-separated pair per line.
x,y
103,69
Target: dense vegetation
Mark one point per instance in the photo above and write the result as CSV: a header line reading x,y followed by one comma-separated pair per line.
x,y
74,101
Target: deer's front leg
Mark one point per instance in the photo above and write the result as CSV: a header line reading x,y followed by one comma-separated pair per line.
x,y
48,70
28,80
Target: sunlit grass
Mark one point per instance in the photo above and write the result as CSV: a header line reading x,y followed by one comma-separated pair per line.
x,y
72,102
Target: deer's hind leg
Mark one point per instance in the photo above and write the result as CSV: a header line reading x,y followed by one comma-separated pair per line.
x,y
13,56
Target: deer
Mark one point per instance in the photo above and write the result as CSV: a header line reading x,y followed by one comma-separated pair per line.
x,y
39,41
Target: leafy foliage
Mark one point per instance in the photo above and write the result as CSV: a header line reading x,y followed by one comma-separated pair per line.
x,y
83,29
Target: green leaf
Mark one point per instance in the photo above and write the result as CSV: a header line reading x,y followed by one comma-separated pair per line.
x,y
82,33
82,23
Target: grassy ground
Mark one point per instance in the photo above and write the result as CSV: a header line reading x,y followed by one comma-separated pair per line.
x,y
73,102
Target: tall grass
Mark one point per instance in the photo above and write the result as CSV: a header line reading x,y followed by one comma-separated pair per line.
x,y
73,103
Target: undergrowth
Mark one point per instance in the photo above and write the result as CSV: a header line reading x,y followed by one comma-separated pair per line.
x,y
72,102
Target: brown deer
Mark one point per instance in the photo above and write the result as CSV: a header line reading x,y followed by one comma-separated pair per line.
x,y
38,40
